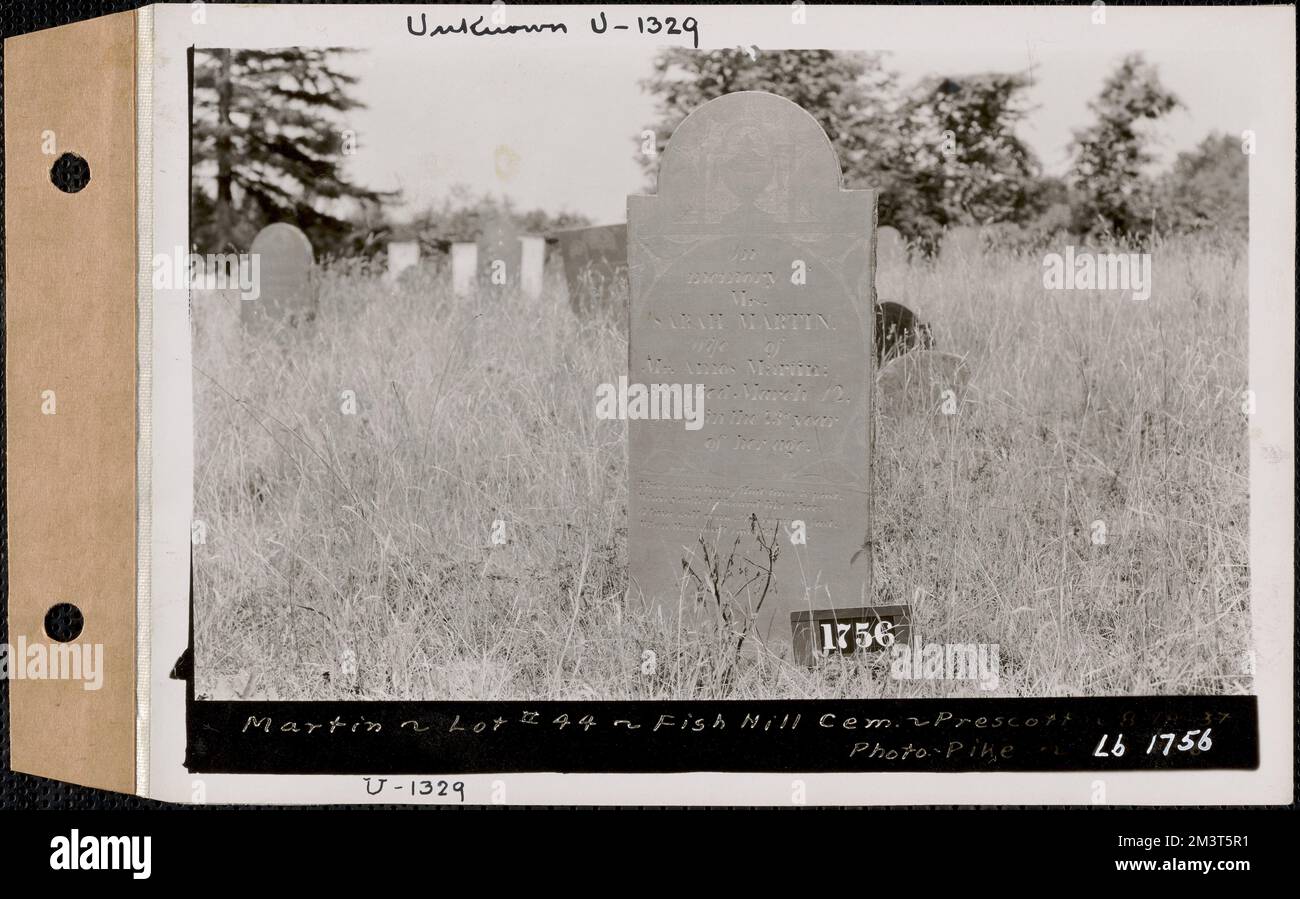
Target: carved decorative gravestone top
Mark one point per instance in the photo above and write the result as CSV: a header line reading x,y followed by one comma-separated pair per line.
x,y
283,294
751,275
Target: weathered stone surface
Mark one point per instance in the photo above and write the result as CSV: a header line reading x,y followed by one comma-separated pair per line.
x,y
284,292
750,274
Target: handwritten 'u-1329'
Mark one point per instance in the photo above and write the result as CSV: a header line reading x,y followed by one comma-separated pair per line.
x,y
668,25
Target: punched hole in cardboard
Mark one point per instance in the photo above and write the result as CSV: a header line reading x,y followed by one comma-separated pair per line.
x,y
64,622
70,173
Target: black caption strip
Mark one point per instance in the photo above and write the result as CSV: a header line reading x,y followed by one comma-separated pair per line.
x,y
918,735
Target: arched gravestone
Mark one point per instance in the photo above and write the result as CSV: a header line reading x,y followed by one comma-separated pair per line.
x,y
595,265
751,275
898,330
890,249
284,293
499,253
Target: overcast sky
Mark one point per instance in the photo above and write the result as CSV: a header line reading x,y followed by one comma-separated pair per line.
x,y
437,119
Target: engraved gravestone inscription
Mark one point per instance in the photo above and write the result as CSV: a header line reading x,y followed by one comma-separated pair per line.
x,y
751,274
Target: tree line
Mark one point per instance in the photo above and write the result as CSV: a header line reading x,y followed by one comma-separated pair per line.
x,y
269,140
945,152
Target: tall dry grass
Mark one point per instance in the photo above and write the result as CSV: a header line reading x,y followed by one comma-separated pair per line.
x,y
351,555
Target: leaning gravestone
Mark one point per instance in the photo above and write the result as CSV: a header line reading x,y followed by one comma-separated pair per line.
x,y
499,253
284,294
595,265
750,274
890,249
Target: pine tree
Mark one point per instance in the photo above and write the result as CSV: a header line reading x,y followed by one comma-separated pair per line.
x,y
268,144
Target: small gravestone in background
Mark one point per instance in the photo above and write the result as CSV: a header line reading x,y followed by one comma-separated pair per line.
x,y
464,268
898,330
922,382
750,274
284,291
890,249
595,265
532,265
499,252
402,254
965,242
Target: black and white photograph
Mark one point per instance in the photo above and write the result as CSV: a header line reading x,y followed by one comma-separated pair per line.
x,y
760,374
548,405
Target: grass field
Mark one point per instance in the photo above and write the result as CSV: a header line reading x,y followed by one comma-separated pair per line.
x,y
350,555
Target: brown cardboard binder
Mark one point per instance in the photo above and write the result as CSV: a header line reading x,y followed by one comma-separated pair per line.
x,y
70,392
